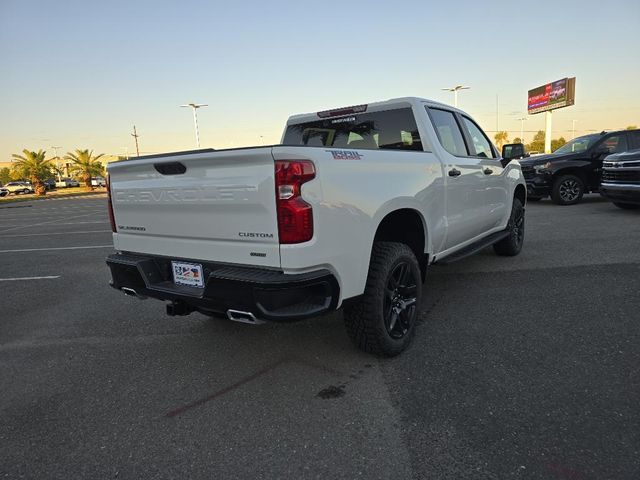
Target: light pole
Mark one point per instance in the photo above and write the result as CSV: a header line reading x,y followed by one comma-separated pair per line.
x,y
573,129
522,120
55,149
455,93
195,107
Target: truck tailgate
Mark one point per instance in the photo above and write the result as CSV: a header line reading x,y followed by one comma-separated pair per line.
x,y
220,208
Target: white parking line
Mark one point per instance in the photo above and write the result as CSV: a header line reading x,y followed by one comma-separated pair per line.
x,y
50,277
45,223
56,233
54,248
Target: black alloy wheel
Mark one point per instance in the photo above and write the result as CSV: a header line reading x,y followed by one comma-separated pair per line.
x,y
400,300
567,190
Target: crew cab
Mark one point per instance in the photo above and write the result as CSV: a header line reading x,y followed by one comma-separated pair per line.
x,y
575,168
347,211
621,179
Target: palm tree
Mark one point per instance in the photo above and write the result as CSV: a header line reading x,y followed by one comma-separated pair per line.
x,y
35,167
501,138
85,164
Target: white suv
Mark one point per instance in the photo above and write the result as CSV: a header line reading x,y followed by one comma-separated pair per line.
x,y
19,187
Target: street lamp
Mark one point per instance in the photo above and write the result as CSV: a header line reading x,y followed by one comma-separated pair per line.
x,y
195,107
522,120
455,93
55,149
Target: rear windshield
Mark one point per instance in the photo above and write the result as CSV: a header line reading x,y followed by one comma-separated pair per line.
x,y
386,130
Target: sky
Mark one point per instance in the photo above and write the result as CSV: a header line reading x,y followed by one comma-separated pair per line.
x,y
80,74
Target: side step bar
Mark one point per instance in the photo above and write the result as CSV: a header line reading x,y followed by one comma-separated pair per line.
x,y
473,248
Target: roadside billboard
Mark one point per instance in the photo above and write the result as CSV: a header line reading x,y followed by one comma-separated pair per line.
x,y
558,94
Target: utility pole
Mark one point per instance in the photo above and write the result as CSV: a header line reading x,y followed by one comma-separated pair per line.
x,y
135,135
455,93
57,159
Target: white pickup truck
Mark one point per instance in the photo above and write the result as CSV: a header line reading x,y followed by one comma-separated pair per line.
x,y
348,211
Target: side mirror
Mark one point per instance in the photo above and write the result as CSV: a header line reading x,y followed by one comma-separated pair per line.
x,y
512,151
601,151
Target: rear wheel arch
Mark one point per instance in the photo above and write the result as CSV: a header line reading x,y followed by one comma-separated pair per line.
x,y
578,172
405,225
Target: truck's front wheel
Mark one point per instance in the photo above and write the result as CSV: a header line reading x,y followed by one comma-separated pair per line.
x,y
567,190
512,244
383,321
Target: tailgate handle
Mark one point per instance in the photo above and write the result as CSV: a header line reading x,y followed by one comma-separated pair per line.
x,y
170,168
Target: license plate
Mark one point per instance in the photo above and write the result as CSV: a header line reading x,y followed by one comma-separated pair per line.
x,y
187,274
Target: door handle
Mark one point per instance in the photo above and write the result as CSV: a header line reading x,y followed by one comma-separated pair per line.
x,y
487,171
454,172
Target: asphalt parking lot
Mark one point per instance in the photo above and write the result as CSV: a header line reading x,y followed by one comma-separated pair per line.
x,y
525,367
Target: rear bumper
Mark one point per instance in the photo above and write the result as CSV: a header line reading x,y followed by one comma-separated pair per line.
x,y
266,294
624,193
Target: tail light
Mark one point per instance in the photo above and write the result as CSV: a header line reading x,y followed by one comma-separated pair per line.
x,y
112,219
295,216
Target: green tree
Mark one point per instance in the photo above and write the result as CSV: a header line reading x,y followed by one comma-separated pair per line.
x,y
517,140
5,175
557,143
632,127
537,144
85,164
35,167
501,138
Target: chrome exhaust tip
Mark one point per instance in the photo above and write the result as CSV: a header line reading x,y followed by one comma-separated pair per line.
x,y
243,317
130,292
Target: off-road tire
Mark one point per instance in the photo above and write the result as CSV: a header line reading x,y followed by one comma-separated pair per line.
x,y
365,320
567,190
511,245
626,206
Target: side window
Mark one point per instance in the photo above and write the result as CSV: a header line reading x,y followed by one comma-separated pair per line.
x,y
615,144
448,132
479,141
634,138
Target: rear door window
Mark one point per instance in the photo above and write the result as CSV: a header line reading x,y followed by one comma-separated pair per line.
x,y
384,130
615,143
448,131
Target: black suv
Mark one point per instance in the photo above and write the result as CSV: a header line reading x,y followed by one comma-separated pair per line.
x,y
575,168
